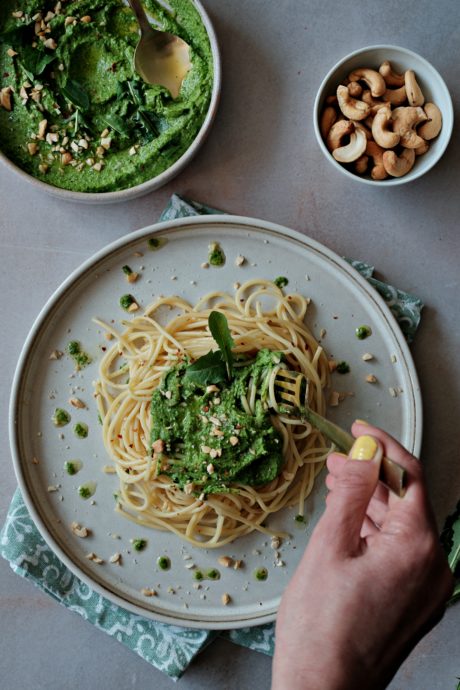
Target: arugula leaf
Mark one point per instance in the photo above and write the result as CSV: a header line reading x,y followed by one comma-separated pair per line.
x,y
34,60
75,93
207,369
218,325
450,540
117,123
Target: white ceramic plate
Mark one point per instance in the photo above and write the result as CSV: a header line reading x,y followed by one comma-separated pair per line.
x,y
341,301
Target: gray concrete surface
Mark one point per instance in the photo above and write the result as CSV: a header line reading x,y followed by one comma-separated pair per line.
x,y
262,160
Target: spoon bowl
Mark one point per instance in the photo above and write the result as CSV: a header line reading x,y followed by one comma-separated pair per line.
x,y
160,57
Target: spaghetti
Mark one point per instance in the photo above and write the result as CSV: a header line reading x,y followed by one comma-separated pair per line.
x,y
260,317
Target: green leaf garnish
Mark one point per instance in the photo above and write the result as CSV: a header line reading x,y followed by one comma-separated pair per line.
x,y
450,540
207,369
75,93
34,60
218,325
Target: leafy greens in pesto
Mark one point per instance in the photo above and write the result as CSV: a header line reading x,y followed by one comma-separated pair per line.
x,y
212,438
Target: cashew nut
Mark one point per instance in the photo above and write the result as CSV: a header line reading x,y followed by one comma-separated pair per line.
x,y
397,166
395,96
367,132
420,150
413,90
338,130
431,129
373,102
381,128
376,152
328,117
354,89
351,107
391,77
361,164
352,151
404,122
373,79
5,98
331,100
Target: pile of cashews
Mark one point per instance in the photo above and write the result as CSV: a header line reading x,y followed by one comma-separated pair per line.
x,y
381,126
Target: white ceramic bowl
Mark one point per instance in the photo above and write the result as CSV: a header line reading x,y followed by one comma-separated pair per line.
x,y
431,83
168,174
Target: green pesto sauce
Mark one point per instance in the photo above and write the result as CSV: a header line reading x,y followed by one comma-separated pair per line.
x,y
216,256
281,282
261,574
80,430
248,447
139,544
87,490
80,357
163,563
363,332
60,417
72,466
126,301
343,368
155,243
89,86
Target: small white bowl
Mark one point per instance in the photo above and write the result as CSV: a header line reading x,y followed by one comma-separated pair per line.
x,y
168,174
433,88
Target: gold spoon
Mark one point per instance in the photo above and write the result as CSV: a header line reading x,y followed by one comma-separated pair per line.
x,y
160,57
291,388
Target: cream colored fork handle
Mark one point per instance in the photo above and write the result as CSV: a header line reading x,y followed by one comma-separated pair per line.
x,y
391,474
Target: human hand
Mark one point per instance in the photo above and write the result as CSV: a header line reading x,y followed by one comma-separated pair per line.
x,y
372,581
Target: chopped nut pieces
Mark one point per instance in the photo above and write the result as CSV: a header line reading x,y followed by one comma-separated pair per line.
x,y
86,19
35,461
148,592
226,599
210,468
239,261
370,378
158,445
76,402
32,146
79,531
188,488
66,158
109,469
50,43
237,564
393,392
367,357
233,440
52,488
5,98
11,52
92,557
226,561
116,558
42,125
134,306
332,364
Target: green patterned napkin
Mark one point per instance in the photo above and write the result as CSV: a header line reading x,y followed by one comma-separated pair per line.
x,y
167,647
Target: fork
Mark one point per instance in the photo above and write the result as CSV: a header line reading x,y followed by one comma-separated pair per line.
x,y
291,386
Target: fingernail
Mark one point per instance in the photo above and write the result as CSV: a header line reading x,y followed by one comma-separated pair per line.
x,y
361,421
364,448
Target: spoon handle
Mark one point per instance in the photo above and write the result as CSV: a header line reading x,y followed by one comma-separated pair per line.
x,y
141,17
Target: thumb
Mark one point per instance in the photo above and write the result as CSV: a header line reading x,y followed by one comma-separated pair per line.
x,y
353,489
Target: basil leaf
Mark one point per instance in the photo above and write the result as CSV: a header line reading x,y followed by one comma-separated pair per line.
x,y
75,93
218,325
207,369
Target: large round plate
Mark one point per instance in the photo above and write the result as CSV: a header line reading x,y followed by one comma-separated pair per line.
x,y
341,301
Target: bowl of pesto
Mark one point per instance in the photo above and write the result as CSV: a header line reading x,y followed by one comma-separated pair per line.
x,y
77,120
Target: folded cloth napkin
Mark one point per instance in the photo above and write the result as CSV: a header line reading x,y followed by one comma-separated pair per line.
x,y
167,647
